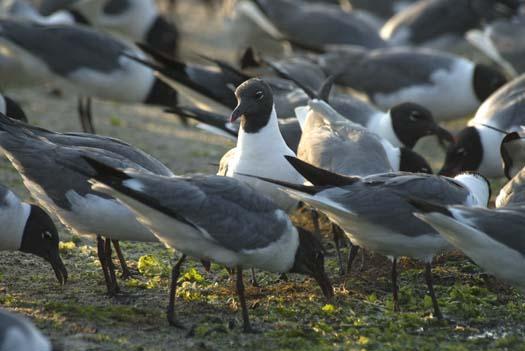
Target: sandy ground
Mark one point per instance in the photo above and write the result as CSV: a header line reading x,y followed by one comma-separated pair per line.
x,y
292,315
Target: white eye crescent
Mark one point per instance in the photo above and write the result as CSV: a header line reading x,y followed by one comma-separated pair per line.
x,y
47,235
259,95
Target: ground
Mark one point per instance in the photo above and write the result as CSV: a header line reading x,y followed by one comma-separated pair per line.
x,y
481,312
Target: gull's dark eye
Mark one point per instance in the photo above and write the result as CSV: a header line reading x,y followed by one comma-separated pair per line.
x,y
259,95
47,235
414,116
461,151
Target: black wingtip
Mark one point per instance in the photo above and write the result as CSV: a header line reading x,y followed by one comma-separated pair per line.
x,y
423,206
312,190
249,59
326,87
285,75
318,176
226,68
208,118
104,173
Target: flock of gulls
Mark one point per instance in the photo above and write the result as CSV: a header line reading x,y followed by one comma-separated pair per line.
x,y
330,126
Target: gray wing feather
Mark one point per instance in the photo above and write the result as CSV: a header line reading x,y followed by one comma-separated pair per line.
x,y
385,70
506,108
381,199
343,149
84,47
232,213
318,25
504,225
43,163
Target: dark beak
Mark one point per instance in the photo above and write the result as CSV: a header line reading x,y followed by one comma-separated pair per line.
x,y
324,284
443,135
237,113
58,267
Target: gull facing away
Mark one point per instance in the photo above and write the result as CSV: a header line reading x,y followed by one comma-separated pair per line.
x,y
214,218
492,238
374,212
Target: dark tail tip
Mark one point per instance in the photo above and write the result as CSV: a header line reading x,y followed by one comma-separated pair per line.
x,y
424,206
105,172
318,176
249,59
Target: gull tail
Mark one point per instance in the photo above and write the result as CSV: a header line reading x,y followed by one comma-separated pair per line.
x,y
318,176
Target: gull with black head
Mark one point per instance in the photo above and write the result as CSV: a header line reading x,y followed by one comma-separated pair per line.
x,y
69,197
449,86
477,147
214,218
28,228
402,125
260,145
96,65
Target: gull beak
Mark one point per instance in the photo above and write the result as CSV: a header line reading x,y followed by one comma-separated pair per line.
x,y
58,267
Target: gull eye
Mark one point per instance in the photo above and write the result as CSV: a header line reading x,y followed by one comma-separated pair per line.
x,y
414,116
461,151
47,235
259,95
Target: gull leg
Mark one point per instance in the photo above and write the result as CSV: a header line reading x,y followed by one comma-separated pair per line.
x,y
430,284
254,278
110,265
102,258
394,285
352,254
126,274
175,273
247,328
315,220
338,236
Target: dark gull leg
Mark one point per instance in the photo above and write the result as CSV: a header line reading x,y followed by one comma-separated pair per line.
x,y
254,278
394,285
338,236
175,273
247,328
102,258
84,112
352,254
430,284
315,220
110,265
126,273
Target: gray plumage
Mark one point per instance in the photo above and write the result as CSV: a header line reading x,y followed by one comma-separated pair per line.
x,y
384,70
503,41
341,147
504,225
84,47
513,193
4,191
318,25
505,109
116,7
18,333
229,211
106,143
41,162
427,20
381,199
